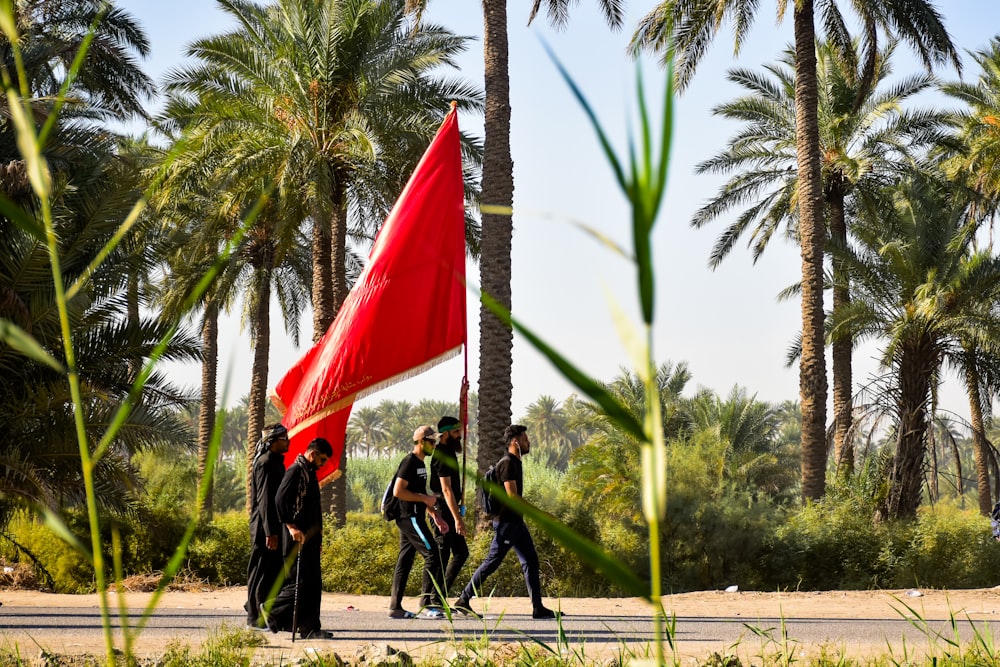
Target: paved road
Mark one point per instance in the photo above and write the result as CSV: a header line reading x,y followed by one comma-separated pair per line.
x,y
78,630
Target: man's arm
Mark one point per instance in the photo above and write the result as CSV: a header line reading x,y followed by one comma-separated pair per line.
x,y
401,491
452,502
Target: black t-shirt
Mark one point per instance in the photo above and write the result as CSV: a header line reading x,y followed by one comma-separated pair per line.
x,y
412,469
445,464
509,469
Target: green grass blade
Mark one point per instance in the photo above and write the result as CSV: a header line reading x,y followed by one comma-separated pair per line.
x,y
21,341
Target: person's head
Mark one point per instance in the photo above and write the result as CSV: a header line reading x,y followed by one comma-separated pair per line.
x,y
424,439
319,452
515,437
275,438
449,430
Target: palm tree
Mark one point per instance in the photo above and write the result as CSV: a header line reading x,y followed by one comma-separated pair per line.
x,y
754,456
549,428
496,338
866,139
365,429
923,290
110,85
979,128
332,101
39,459
689,27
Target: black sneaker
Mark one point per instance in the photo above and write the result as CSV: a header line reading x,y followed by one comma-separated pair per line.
x,y
545,612
463,608
401,613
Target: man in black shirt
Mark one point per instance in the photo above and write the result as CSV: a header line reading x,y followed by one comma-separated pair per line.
x,y
446,483
414,536
511,532
299,508
265,528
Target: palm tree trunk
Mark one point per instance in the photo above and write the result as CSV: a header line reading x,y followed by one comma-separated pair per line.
x,y
907,466
812,364
209,380
979,445
258,376
496,340
322,280
842,349
334,494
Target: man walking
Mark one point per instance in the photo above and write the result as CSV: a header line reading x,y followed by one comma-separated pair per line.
x,y
265,528
299,508
414,536
446,482
511,532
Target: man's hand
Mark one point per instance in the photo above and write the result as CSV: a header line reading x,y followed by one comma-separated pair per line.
x,y
297,535
271,541
441,524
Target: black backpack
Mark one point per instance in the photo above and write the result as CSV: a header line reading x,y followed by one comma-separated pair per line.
x,y
487,500
390,507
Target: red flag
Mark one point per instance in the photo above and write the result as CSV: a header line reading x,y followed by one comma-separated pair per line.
x,y
405,314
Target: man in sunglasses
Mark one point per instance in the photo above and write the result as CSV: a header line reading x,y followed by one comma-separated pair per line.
x,y
414,535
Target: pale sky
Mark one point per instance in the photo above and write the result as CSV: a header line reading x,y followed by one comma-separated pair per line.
x,y
726,324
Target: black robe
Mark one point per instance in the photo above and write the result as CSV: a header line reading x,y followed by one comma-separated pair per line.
x,y
265,564
298,503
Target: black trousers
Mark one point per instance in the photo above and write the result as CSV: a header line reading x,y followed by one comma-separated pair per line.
x,y
262,572
306,594
509,535
454,552
414,538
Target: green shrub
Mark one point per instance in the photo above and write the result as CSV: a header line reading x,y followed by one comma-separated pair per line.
x,y
359,557
69,570
366,482
949,547
220,551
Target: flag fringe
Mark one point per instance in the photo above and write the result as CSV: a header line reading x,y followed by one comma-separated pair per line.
x,y
367,391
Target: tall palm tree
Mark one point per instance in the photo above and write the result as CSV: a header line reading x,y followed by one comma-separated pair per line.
x,y
978,159
926,293
333,101
689,27
866,140
496,339
110,85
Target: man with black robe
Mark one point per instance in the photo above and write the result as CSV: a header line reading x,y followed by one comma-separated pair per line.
x,y
265,527
299,508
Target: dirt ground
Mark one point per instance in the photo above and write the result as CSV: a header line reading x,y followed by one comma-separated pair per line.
x,y
981,604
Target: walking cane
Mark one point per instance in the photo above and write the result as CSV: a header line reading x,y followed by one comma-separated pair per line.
x,y
295,603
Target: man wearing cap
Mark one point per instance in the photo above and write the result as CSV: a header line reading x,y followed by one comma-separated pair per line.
x,y
446,483
414,536
510,531
265,528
